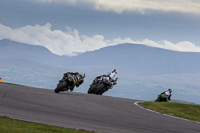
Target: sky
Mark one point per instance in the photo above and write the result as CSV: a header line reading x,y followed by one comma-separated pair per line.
x,y
68,27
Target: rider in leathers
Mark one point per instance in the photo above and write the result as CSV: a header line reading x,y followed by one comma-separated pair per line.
x,y
109,78
112,77
71,74
167,94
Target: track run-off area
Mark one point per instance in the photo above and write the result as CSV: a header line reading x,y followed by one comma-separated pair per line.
x,y
101,114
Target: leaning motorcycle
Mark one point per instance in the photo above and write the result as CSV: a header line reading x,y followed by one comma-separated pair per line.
x,y
68,83
100,85
163,97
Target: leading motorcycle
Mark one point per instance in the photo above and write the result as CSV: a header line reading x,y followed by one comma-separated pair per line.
x,y
68,82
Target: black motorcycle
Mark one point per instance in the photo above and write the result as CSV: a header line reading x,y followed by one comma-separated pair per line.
x,y
100,85
69,82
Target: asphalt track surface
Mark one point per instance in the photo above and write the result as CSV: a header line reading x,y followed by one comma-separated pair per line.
x,y
101,114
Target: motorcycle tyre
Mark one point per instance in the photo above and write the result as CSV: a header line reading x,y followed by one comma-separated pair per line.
x,y
92,89
158,99
60,87
100,89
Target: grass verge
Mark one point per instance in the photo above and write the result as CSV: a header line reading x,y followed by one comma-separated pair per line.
x,y
16,126
186,111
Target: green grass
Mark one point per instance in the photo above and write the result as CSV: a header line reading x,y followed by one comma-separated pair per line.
x,y
186,111
15,126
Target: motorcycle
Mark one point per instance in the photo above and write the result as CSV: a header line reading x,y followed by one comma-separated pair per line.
x,y
163,97
100,85
69,82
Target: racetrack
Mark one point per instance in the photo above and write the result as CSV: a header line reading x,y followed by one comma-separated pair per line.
x,y
101,114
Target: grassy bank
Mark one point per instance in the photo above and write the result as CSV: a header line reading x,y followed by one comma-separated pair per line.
x,y
187,111
15,126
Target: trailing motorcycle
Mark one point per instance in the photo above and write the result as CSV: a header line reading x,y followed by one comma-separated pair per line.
x,y
100,85
69,81
163,97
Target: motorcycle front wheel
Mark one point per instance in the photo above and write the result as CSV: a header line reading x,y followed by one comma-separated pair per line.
x,y
100,89
60,87
158,99
92,89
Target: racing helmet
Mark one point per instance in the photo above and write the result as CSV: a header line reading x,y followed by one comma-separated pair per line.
x,y
83,74
170,90
114,70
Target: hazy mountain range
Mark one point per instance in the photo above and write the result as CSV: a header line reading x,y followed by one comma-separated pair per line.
x,y
143,71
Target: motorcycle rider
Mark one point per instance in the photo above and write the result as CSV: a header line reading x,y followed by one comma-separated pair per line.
x,y
79,77
103,83
167,94
110,78
113,76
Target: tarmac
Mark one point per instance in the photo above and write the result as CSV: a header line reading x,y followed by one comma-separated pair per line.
x,y
101,114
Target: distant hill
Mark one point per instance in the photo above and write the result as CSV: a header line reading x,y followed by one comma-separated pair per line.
x,y
141,60
128,58
15,50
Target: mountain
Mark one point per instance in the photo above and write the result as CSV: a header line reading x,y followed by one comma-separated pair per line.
x,y
14,50
141,60
143,71
128,58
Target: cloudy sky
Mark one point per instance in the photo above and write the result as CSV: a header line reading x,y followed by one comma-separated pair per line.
x,y
66,27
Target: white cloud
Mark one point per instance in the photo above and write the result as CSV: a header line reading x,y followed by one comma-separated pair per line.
x,y
59,42
71,42
183,6
184,46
